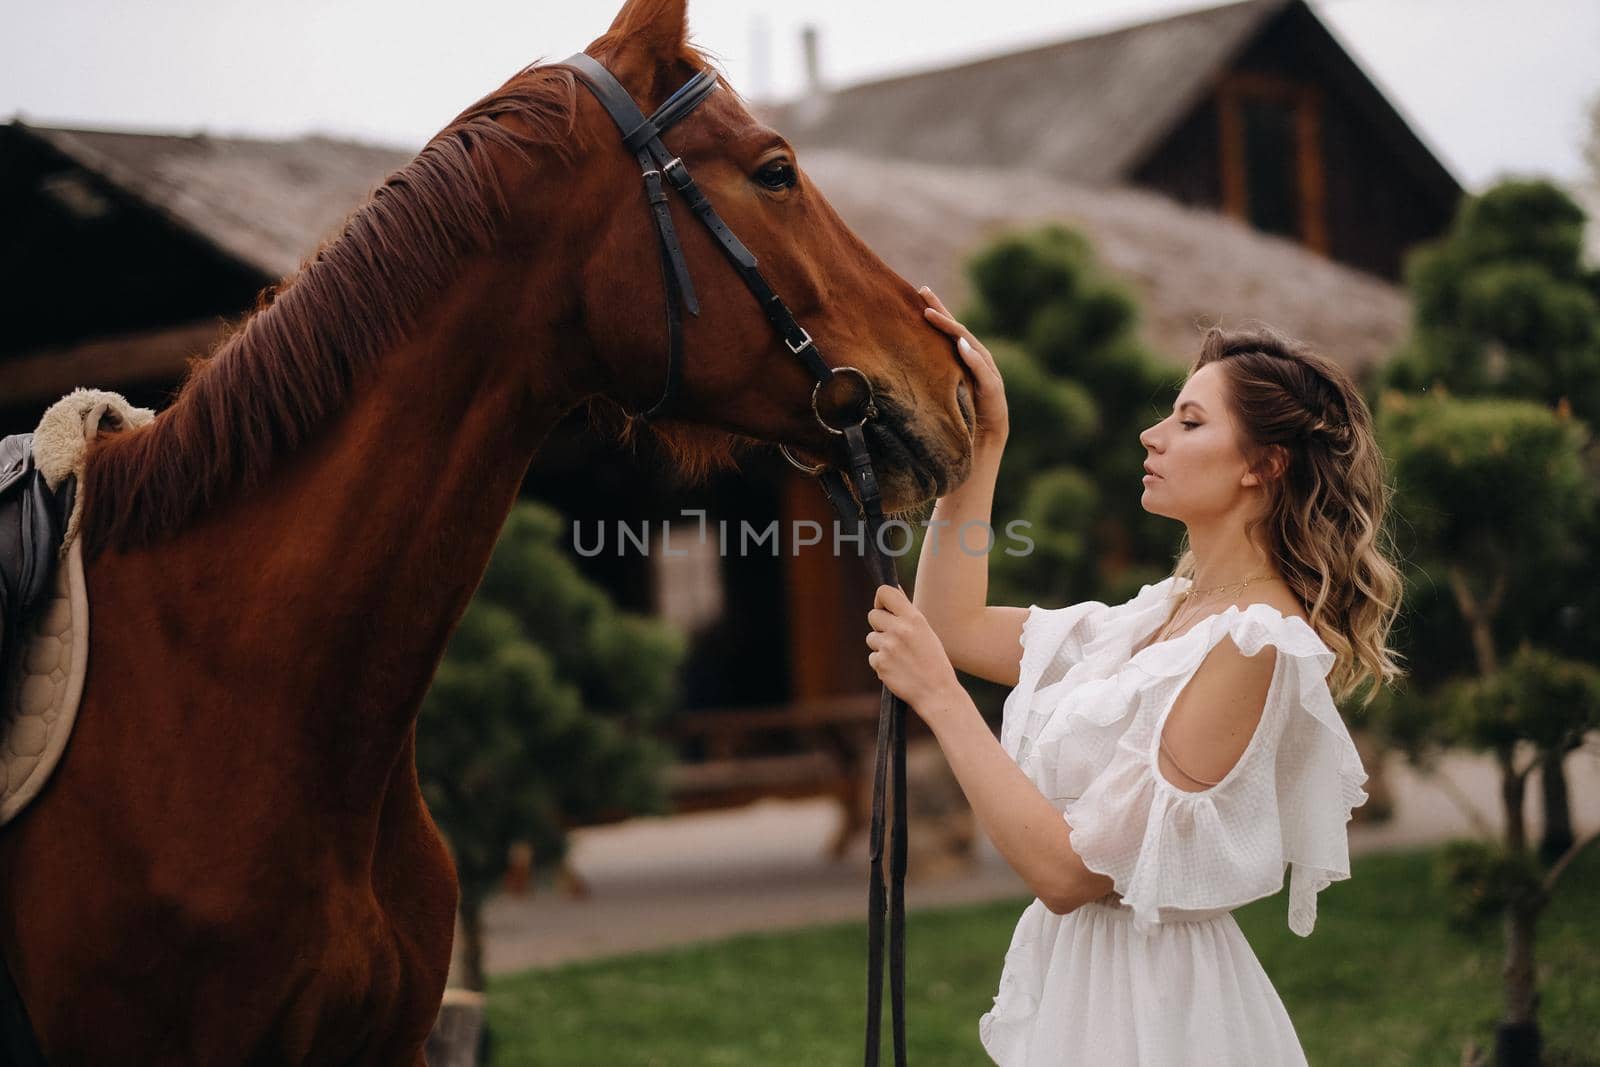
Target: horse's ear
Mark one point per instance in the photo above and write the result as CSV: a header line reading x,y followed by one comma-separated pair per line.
x,y
656,27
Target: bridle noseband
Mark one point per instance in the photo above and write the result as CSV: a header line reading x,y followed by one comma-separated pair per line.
x,y
642,137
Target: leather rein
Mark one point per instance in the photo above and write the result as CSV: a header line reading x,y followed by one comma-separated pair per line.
x,y
642,137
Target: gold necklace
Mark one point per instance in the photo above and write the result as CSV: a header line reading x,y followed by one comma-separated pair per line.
x,y
1199,596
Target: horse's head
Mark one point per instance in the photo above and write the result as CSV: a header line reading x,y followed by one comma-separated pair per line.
x,y
739,381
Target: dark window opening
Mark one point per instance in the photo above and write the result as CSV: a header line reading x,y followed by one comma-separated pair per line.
x,y
1271,179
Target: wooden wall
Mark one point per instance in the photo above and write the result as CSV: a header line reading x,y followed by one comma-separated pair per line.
x,y
1365,192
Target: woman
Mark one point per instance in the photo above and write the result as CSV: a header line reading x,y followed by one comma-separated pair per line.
x,y
1162,761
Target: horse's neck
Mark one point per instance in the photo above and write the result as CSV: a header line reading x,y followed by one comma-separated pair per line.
x,y
329,591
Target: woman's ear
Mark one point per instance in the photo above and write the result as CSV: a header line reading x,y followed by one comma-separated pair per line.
x,y
1280,461
1274,461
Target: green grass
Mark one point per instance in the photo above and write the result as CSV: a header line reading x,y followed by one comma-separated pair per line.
x,y
1381,981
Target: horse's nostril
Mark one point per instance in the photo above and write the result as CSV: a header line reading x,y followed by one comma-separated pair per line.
x,y
964,405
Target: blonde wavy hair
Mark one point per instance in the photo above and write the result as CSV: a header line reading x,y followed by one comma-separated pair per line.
x,y
1325,518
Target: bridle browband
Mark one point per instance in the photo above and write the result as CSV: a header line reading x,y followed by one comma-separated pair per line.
x,y
642,137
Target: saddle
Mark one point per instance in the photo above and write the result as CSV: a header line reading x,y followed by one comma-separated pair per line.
x,y
44,603
33,523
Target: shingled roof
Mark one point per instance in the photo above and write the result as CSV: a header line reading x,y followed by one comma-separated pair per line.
x,y
265,203
1087,109
1190,268
270,203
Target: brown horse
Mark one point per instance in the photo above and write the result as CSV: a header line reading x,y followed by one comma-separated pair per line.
x,y
233,863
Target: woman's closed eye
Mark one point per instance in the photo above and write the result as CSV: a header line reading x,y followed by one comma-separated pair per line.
x,y
1191,423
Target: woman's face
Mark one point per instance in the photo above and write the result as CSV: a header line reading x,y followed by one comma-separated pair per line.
x,y
1200,474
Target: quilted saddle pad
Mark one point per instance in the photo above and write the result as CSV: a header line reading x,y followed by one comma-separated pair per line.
x,y
42,686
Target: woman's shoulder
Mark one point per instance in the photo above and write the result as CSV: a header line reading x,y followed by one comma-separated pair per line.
x,y
1274,604
1286,619
1285,603
1249,627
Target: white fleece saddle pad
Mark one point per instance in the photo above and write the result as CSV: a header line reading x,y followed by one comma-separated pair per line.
x,y
42,686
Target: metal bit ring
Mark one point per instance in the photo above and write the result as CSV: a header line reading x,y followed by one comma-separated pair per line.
x,y
870,410
803,468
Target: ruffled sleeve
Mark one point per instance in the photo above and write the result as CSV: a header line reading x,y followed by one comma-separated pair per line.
x,y
1054,641
1285,802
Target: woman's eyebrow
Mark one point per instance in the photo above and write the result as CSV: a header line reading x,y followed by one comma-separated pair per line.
x,y
1189,404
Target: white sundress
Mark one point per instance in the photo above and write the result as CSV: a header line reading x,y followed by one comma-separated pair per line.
x,y
1164,976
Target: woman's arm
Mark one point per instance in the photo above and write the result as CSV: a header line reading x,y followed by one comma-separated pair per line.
x,y
1025,828
911,660
952,585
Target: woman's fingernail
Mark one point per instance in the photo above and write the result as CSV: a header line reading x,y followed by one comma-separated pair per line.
x,y
964,346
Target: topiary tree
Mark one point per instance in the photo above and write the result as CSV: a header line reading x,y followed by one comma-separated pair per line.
x,y
540,714
1080,387
1496,495
1505,306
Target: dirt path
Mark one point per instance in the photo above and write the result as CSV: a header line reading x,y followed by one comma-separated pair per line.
x,y
671,881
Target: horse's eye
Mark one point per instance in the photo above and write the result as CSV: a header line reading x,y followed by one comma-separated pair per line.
x,y
779,174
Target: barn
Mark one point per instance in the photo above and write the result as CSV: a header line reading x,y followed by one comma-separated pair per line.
x,y
1252,110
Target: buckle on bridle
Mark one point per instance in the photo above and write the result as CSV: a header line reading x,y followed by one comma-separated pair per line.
x,y
667,168
803,345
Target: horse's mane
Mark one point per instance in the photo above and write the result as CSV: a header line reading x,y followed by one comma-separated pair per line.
x,y
293,361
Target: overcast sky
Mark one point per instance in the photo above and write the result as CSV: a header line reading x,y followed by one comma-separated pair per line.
x,y
1493,86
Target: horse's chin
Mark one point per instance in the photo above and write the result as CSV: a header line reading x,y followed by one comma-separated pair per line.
x,y
913,473
905,488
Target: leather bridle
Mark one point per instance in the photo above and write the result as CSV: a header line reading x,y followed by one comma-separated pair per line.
x,y
642,137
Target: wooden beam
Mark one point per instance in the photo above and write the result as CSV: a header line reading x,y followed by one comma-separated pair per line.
x,y
1258,84
1230,143
842,708
1313,199
47,374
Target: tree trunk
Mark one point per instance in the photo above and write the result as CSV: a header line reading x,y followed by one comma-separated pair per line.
x,y
1517,1035
1558,836
1479,615
1513,787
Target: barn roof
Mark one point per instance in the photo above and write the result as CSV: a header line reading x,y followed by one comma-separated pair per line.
x,y
1189,268
270,203
265,203
1086,109
1090,109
